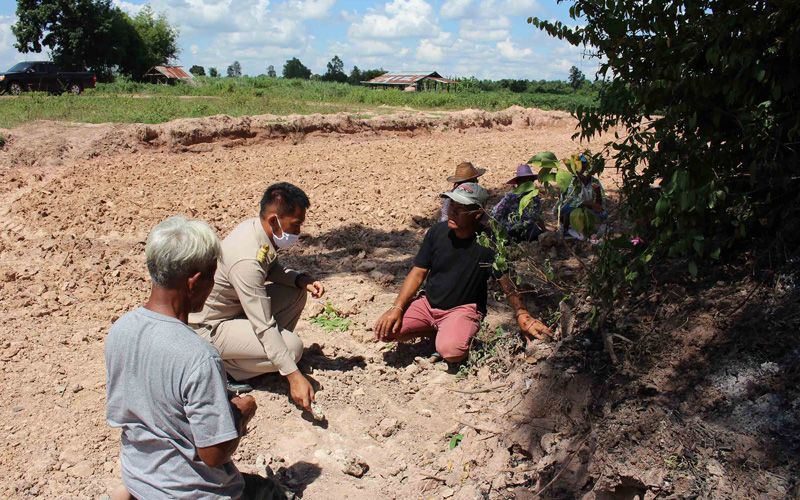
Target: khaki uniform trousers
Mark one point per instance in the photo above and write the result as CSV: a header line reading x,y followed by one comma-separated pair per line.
x,y
243,352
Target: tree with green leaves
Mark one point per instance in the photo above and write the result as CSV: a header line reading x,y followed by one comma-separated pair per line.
x,y
335,71
96,35
234,70
355,76
576,77
79,33
369,74
271,71
156,43
213,72
295,69
704,99
197,70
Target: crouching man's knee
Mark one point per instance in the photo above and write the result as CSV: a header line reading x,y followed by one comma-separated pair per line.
x,y
452,350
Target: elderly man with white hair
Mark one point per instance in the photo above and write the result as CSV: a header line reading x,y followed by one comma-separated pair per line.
x,y
166,386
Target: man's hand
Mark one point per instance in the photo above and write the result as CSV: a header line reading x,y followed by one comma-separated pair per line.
x,y
315,288
389,323
247,409
300,390
533,327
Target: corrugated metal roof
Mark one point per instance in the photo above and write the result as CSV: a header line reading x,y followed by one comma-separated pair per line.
x,y
407,78
171,72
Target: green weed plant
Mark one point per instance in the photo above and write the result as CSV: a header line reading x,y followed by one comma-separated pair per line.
x,y
331,320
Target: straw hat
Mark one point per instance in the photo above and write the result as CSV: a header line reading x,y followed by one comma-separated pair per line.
x,y
466,171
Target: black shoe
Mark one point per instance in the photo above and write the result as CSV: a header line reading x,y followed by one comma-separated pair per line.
x,y
235,387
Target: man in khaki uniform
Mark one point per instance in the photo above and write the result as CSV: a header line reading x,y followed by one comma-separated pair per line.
x,y
254,307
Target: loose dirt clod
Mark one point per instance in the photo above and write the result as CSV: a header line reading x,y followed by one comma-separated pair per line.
x,y
355,466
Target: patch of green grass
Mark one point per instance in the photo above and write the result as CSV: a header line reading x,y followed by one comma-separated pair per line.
x,y
331,320
132,102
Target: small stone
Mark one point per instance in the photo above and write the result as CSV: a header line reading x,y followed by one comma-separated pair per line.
x,y
77,388
388,426
385,428
81,469
714,468
446,492
442,367
317,412
355,466
366,266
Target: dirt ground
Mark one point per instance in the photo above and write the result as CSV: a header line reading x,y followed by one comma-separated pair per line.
x,y
77,204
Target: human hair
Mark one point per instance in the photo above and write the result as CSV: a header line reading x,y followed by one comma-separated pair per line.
x,y
286,198
179,247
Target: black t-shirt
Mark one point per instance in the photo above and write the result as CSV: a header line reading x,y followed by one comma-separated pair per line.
x,y
458,269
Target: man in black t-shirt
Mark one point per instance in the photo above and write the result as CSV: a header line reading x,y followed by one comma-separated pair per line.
x,y
457,268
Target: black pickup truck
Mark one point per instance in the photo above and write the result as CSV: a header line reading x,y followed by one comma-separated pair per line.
x,y
44,77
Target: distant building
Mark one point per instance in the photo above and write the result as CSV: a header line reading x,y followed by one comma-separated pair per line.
x,y
167,74
411,81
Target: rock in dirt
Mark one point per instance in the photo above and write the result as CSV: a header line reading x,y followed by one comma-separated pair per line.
x,y
386,428
366,266
382,278
355,466
81,469
314,309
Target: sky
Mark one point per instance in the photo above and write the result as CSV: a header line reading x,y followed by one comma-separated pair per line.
x,y
458,38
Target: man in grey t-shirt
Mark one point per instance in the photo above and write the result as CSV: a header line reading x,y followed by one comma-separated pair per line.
x,y
166,386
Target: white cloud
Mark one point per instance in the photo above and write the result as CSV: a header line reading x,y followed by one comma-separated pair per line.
x,y
400,19
456,9
307,9
433,50
490,8
8,54
511,52
128,7
492,29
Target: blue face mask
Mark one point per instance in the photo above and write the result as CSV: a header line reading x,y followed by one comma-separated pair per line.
x,y
286,239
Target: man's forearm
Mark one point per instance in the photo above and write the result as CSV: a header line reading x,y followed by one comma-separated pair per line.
x,y
513,296
302,280
410,287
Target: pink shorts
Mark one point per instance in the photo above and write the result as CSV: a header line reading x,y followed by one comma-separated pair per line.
x,y
454,328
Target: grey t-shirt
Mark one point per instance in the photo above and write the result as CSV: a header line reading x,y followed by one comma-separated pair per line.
x,y
166,390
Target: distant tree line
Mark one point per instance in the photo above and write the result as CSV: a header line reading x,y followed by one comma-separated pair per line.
x,y
96,35
294,68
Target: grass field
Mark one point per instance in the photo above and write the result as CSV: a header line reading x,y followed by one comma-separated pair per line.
x,y
131,102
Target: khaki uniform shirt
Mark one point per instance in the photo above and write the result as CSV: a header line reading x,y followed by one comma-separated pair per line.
x,y
247,263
